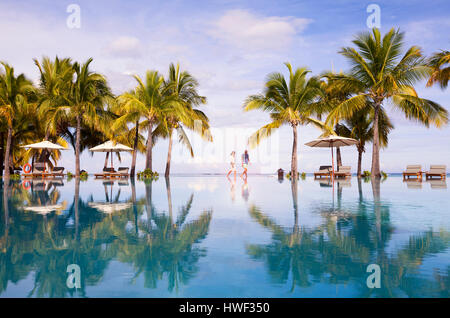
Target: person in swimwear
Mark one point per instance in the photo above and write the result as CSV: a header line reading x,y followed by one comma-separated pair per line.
x,y
233,164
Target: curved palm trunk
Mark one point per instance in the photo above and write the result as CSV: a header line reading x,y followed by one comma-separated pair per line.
x,y
359,172
133,160
376,145
106,160
77,147
6,163
169,198
2,153
169,155
294,170
338,157
148,159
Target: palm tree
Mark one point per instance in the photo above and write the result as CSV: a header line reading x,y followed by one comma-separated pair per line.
x,y
88,94
380,73
14,94
182,86
290,103
359,127
440,62
148,100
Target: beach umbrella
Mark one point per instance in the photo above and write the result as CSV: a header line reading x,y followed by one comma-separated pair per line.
x,y
45,145
111,146
109,208
331,142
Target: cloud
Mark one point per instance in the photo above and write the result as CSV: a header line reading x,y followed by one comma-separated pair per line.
x,y
125,46
245,30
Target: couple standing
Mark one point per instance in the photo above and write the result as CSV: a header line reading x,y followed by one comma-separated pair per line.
x,y
245,162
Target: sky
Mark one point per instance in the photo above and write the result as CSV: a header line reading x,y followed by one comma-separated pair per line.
x,y
230,47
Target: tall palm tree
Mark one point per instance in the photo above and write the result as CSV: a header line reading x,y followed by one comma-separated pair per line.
x,y
359,127
148,100
88,94
291,103
380,73
14,93
440,62
182,86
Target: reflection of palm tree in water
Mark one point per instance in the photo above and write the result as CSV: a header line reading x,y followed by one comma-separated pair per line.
x,y
340,250
245,190
169,246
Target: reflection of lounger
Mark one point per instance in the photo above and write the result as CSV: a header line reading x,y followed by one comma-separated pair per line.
x,y
324,172
346,183
414,184
438,184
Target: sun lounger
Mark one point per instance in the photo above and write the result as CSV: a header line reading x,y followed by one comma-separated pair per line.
x,y
413,171
324,171
122,172
343,172
436,171
107,172
57,172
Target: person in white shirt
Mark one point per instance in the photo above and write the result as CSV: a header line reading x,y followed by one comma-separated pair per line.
x,y
232,163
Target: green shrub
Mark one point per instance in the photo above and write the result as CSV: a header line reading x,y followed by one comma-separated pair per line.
x,y
15,176
147,174
299,175
84,175
384,174
366,174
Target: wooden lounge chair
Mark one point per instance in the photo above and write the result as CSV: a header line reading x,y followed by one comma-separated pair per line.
x,y
413,171
343,172
324,171
107,172
57,172
122,172
436,171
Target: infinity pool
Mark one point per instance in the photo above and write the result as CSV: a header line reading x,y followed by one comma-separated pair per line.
x,y
208,236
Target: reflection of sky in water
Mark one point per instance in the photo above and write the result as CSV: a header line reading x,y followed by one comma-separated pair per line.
x,y
224,266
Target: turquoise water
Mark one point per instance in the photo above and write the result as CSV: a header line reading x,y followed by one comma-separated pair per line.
x,y
204,236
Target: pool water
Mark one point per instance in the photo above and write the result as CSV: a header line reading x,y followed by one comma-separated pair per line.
x,y
209,236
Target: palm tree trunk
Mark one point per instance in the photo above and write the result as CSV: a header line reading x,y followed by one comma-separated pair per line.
x,y
359,172
106,160
2,152
169,197
376,145
148,159
133,160
6,164
338,157
169,155
77,147
294,170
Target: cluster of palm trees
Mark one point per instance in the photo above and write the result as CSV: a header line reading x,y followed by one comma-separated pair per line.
x,y
354,102
73,104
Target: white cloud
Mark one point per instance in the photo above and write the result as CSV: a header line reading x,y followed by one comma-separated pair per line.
x,y
243,29
125,46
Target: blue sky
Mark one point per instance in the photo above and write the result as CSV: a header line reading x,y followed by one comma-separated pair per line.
x,y
230,46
